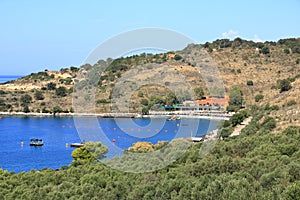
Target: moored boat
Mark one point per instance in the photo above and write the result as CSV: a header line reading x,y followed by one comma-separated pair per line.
x,y
76,144
36,142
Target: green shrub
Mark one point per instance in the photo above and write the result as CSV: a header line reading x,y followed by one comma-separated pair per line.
x,y
239,117
177,57
236,97
57,109
2,92
225,132
140,94
51,86
265,50
145,102
269,123
259,45
275,107
284,85
39,95
259,97
145,111
102,101
25,99
296,49
74,69
2,102
291,103
269,108
44,110
26,109
199,92
274,87
61,91
250,83
286,51
231,108
226,123
291,79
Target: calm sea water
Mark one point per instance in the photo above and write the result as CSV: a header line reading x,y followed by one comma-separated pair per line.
x,y
56,132
5,78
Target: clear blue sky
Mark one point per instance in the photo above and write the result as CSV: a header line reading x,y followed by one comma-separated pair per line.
x,y
37,35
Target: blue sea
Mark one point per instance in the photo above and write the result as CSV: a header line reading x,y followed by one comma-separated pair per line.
x,y
56,132
5,78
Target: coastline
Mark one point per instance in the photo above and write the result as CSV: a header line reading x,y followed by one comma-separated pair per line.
x,y
116,115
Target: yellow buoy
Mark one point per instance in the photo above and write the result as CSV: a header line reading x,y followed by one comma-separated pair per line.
x,y
67,144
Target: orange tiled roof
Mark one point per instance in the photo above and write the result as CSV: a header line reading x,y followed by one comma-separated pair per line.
x,y
212,101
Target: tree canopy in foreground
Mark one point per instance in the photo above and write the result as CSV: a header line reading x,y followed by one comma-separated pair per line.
x,y
258,166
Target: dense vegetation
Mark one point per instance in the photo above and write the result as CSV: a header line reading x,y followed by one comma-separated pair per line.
x,y
258,166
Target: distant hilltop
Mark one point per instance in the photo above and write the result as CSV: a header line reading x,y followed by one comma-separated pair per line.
x,y
261,72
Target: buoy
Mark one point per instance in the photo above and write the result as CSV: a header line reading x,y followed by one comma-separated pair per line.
x,y
67,144
113,140
22,143
115,129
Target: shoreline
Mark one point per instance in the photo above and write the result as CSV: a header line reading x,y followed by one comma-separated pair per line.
x,y
116,115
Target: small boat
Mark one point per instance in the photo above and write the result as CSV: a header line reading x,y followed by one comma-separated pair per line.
x,y
36,142
76,144
173,118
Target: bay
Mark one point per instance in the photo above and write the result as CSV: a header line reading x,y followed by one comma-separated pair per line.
x,y
6,78
56,132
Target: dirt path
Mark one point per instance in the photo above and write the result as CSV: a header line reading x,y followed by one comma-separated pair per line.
x,y
239,127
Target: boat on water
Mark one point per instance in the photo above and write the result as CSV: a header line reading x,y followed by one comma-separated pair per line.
x,y
76,145
173,118
36,142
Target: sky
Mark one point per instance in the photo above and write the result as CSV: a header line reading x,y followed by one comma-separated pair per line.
x,y
37,35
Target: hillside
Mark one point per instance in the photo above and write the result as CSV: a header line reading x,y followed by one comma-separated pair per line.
x,y
259,69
